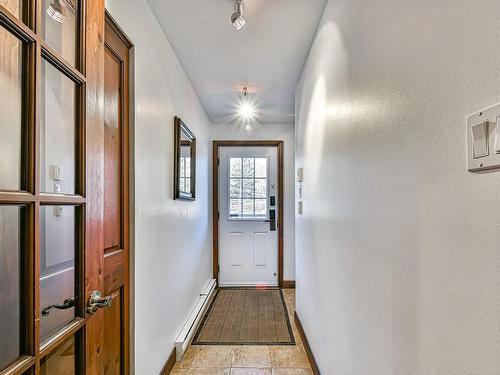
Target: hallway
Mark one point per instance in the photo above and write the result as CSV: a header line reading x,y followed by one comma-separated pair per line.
x,y
248,360
170,168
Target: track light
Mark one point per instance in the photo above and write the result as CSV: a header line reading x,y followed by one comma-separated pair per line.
x,y
56,11
237,18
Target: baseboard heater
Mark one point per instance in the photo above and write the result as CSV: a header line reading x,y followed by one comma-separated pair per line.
x,y
184,339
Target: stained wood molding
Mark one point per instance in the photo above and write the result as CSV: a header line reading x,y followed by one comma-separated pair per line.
x,y
169,365
288,284
215,199
309,353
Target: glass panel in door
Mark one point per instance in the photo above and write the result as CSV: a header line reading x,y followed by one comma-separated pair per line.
x,y
57,268
57,131
11,118
11,226
60,27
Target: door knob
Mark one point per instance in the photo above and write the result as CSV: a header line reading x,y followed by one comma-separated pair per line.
x,y
67,304
97,301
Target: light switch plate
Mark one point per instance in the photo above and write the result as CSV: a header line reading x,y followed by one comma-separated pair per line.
x,y
300,174
483,130
57,173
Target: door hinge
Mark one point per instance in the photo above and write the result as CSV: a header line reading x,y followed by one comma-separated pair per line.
x,y
218,269
218,215
218,161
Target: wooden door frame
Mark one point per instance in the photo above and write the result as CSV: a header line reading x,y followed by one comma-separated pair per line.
x,y
215,199
127,184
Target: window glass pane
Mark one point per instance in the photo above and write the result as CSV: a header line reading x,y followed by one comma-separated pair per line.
x,y
61,361
188,185
11,84
261,167
234,207
188,167
59,26
57,265
13,6
248,188
260,207
248,167
183,184
248,207
235,188
261,188
235,167
57,132
10,284
183,167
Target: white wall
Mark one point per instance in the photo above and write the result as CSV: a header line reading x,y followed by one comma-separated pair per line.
x,y
173,238
398,261
276,132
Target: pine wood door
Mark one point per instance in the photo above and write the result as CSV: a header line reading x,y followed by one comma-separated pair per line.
x,y
63,191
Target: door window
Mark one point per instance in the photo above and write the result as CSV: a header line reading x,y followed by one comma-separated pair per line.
x,y
248,184
42,187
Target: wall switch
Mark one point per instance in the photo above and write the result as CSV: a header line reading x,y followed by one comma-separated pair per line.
x,y
300,174
57,173
480,140
497,136
58,211
483,140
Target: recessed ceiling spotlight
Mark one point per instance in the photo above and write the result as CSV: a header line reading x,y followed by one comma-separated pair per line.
x,y
237,18
56,11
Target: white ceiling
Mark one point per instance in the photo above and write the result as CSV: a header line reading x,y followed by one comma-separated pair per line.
x,y
266,56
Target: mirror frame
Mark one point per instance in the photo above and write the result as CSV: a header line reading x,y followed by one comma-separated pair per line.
x,y
181,128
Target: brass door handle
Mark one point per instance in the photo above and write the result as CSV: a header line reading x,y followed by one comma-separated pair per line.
x,y
67,304
97,301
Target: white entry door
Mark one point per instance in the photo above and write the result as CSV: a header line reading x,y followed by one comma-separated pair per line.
x,y
248,208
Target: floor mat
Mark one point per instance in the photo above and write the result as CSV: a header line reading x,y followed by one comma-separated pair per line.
x,y
246,317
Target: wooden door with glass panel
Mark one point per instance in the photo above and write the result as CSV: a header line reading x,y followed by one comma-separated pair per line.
x,y
49,218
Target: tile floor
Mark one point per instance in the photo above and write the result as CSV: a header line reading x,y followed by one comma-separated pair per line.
x,y
248,360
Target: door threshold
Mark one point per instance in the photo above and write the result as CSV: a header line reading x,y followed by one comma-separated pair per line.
x,y
247,286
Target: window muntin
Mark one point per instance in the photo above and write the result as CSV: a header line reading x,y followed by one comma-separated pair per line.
x,y
248,185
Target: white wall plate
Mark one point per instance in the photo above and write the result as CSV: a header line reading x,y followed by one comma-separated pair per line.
x,y
483,140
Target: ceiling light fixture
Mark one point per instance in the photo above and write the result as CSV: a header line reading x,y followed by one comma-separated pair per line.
x,y
237,18
247,110
56,11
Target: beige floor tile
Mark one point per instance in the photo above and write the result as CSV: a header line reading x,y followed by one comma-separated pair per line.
x,y
188,358
251,371
178,371
212,356
292,371
251,356
289,357
209,371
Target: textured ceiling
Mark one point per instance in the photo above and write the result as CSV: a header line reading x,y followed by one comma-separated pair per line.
x,y
266,56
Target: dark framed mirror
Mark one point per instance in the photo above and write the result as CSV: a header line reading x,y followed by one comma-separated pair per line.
x,y
185,162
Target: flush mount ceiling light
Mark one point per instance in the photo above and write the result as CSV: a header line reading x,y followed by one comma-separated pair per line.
x,y
246,110
237,18
56,11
